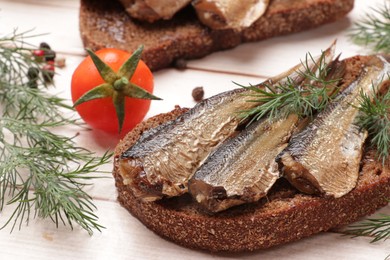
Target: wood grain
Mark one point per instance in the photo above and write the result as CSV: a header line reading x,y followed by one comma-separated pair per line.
x,y
124,237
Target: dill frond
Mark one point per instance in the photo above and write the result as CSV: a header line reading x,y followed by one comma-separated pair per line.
x,y
378,228
41,172
373,30
313,94
375,118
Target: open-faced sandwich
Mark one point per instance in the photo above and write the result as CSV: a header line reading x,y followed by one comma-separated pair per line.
x,y
262,165
172,30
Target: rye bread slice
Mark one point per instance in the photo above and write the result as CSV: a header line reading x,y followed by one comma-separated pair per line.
x,y
285,215
106,24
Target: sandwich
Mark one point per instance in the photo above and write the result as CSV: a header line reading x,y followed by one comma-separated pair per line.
x,y
217,178
194,29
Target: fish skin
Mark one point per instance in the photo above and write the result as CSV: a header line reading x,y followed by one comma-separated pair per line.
x,y
164,158
242,169
324,158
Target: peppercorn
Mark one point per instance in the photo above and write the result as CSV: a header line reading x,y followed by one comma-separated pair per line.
x,y
48,72
50,55
32,75
44,45
180,64
198,94
32,84
47,55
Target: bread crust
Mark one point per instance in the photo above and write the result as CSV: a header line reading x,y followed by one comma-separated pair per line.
x,y
285,215
106,24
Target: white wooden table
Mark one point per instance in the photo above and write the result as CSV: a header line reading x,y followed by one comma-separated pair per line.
x,y
125,237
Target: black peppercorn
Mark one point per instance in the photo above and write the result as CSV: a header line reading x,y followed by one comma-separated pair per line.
x,y
32,75
48,72
44,46
180,64
50,55
198,94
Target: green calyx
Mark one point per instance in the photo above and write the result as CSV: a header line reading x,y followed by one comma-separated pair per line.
x,y
117,85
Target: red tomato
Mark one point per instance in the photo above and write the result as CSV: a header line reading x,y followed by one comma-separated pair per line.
x,y
100,113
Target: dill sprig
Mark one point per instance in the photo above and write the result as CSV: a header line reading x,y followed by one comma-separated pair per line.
x,y
41,172
378,228
30,103
375,118
279,100
373,30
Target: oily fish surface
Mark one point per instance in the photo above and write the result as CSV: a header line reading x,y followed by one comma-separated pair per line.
x,y
325,157
165,158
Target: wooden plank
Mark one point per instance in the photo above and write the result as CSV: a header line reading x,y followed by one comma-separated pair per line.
x,y
71,4
265,58
175,87
59,24
126,238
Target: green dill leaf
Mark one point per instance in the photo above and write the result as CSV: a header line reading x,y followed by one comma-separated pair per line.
x,y
42,173
375,118
373,30
313,94
378,228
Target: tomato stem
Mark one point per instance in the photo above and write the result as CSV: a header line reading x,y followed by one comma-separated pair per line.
x,y
120,84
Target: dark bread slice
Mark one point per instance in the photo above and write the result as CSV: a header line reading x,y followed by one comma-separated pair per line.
x,y
285,215
106,24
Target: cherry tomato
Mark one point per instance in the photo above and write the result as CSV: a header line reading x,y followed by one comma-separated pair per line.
x,y
100,113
